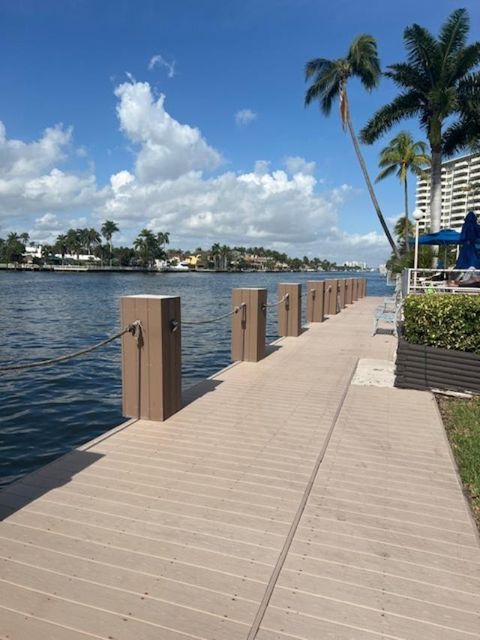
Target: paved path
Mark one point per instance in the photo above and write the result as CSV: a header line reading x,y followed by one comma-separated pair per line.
x,y
284,502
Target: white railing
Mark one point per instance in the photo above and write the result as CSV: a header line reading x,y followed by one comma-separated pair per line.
x,y
441,281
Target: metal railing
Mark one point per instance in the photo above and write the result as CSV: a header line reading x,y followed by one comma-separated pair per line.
x,y
452,281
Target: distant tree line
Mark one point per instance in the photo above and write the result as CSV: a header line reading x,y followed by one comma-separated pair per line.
x,y
77,245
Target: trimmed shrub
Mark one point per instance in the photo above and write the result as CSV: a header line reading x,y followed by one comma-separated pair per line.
x,y
450,321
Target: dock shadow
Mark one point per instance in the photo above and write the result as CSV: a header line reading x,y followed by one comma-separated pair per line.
x,y
271,348
54,475
198,390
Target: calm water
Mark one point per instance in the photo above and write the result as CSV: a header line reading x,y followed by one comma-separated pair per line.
x,y
45,412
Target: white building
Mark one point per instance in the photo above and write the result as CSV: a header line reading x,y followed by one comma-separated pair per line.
x,y
460,192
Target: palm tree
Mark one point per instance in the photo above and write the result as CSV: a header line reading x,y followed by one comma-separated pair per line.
x,y
146,244
401,157
163,238
329,82
215,254
108,229
465,132
75,242
225,255
403,230
61,246
14,248
92,238
431,83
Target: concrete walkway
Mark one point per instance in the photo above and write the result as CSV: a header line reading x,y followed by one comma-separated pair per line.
x,y
284,502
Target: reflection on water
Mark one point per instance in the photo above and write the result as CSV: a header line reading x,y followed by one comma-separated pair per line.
x,y
45,412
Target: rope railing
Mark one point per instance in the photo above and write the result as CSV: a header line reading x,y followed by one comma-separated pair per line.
x,y
135,328
234,311
265,305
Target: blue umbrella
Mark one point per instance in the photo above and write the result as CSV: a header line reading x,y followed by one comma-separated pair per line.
x,y
469,236
442,238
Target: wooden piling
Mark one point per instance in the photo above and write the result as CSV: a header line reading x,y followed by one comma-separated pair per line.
x,y
315,300
341,294
348,291
249,324
151,363
330,297
290,311
361,283
355,289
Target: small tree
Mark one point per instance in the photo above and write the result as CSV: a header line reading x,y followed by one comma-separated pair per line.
x,y
401,157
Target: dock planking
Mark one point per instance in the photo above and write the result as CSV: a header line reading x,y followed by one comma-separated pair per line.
x,y
281,502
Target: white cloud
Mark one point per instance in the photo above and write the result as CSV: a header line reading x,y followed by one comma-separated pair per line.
x,y
31,184
244,117
296,164
48,221
25,160
169,188
159,61
168,149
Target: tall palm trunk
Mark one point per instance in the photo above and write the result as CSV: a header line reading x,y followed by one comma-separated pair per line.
x,y
436,190
405,236
373,197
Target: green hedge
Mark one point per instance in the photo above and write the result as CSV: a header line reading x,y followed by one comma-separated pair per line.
x,y
451,321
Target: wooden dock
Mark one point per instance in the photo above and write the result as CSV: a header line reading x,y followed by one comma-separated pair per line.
x,y
282,503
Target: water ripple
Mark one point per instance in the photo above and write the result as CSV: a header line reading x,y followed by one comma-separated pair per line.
x,y
46,412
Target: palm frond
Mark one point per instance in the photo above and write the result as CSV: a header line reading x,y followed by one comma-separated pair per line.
x,y
465,132
363,60
423,51
388,171
325,85
407,76
465,62
316,66
405,105
453,34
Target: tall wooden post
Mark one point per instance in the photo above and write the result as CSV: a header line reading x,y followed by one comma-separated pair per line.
x,y
364,287
348,291
151,363
315,300
249,324
290,311
341,294
330,304
360,287
355,296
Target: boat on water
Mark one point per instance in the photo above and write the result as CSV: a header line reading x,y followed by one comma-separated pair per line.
x,y
177,268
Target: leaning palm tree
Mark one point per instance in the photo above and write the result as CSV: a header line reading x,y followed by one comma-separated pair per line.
x,y
329,81
431,84
108,229
401,157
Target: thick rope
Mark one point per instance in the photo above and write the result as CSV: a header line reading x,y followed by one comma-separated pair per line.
x,y
135,329
276,304
217,318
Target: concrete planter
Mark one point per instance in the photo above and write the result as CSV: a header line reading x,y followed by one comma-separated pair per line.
x,y
421,367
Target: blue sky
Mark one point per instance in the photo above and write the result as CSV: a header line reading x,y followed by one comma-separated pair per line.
x,y
183,163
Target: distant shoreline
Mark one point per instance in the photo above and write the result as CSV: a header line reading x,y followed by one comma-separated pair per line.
x,y
90,269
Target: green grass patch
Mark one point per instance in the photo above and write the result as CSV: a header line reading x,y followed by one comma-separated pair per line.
x,y
462,422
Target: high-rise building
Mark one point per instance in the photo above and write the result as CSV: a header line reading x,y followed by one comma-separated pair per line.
x,y
460,192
